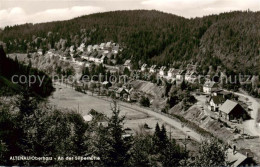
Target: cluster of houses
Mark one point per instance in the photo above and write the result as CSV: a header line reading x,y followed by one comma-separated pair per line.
x,y
189,74
100,53
103,53
223,102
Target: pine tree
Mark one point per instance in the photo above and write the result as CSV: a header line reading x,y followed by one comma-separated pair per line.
x,y
112,147
156,138
163,137
211,153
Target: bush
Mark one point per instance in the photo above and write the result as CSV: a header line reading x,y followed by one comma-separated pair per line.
x,y
145,101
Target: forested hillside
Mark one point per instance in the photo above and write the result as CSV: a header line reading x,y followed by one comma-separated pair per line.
x,y
10,68
229,39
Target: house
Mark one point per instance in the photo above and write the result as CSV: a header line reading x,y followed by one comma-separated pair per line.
x,y
79,61
231,110
88,117
102,46
215,102
162,71
170,73
224,94
209,87
81,47
235,159
144,67
108,45
72,49
115,49
51,51
191,76
191,67
100,58
90,48
92,56
104,59
180,74
85,57
153,69
40,51
95,47
106,84
128,64
123,93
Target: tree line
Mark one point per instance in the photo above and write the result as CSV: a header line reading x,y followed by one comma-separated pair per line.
x,y
39,130
10,67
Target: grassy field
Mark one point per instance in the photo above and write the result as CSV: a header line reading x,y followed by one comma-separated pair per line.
x,y
66,97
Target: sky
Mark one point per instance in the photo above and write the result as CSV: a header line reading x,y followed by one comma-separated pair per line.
x,y
36,11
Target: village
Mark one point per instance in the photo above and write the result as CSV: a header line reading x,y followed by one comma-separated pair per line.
x,y
217,100
146,87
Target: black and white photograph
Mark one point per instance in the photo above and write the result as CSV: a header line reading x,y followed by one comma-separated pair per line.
x,y
130,83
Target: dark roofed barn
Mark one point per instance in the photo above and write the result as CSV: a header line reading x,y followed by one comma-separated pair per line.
x,y
231,110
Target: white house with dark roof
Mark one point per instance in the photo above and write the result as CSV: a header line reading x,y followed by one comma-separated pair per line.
x,y
72,49
153,69
95,47
40,51
128,64
115,49
108,45
144,67
179,74
102,46
215,102
191,76
90,48
81,47
162,71
209,87
170,73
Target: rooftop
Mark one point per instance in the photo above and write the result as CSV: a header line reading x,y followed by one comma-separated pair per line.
x,y
228,106
209,84
235,158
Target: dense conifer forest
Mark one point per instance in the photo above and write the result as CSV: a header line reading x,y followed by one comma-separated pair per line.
x,y
10,68
229,39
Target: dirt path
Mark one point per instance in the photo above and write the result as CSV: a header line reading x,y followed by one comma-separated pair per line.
x,y
67,97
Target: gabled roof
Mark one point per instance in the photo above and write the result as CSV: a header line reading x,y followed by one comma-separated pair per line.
x,y
210,84
162,68
153,66
179,72
127,62
105,82
144,65
217,99
116,48
228,106
235,158
108,44
120,90
171,70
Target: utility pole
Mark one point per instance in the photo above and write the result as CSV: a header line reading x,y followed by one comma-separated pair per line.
x,y
78,108
185,142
